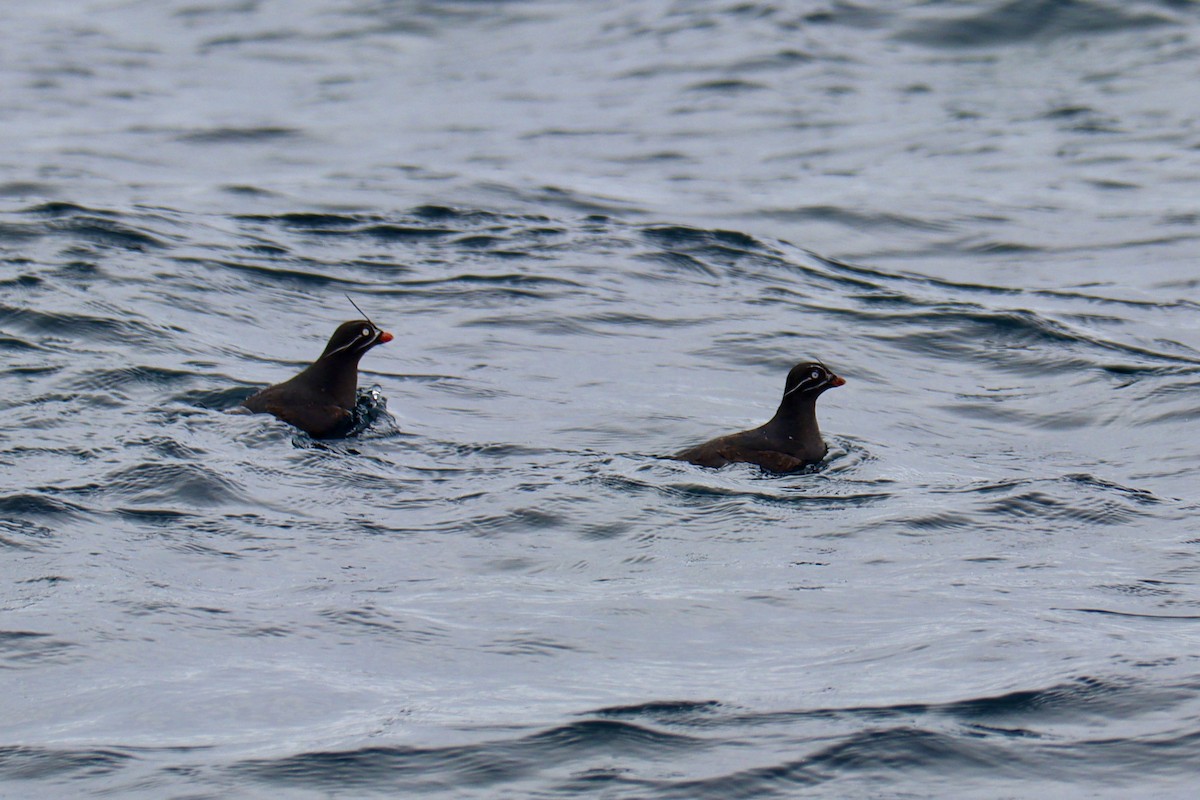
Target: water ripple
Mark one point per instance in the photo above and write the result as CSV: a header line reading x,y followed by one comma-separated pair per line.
x,y
596,244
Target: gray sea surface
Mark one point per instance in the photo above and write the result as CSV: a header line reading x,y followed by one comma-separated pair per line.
x,y
600,233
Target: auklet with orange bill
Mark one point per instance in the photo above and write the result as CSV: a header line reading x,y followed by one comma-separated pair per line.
x,y
320,400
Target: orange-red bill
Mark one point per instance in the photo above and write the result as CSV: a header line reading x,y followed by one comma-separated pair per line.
x,y
837,381
384,336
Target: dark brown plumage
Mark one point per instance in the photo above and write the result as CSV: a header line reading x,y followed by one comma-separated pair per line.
x,y
790,441
320,400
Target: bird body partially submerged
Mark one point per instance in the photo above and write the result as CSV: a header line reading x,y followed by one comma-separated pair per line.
x,y
320,399
791,440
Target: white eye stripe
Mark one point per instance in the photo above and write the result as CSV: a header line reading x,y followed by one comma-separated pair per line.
x,y
808,383
366,334
338,350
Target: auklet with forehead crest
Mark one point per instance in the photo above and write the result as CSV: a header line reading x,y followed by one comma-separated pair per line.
x,y
320,400
790,441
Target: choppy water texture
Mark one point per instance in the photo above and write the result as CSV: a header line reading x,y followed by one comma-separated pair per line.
x,y
600,233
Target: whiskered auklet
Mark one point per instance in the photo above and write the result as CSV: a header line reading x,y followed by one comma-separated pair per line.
x,y
320,400
790,441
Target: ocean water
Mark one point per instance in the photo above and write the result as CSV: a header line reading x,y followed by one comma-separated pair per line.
x,y
600,233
